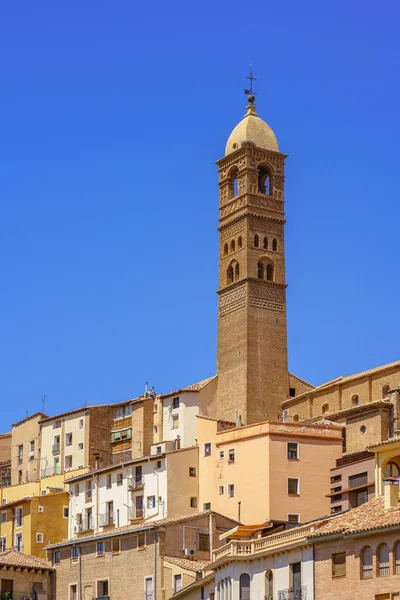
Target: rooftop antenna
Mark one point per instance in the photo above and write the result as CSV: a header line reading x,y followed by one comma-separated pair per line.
x,y
44,400
250,94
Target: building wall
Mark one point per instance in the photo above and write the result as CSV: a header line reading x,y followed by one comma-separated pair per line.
x,y
181,487
377,425
22,434
352,586
5,447
169,571
98,450
77,424
345,472
23,582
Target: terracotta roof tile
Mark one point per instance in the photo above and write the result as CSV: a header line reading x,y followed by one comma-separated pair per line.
x,y
12,558
186,563
367,517
195,387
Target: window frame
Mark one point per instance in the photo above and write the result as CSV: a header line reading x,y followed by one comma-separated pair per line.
x,y
141,546
100,552
206,445
75,553
231,455
118,542
39,537
57,555
298,486
175,577
175,403
230,490
335,573
293,515
297,457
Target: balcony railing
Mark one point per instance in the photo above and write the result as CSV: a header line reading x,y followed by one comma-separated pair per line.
x,y
87,525
55,470
56,449
135,483
136,513
107,519
293,594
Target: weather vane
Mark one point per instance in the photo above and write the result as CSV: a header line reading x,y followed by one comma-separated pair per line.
x,y
250,94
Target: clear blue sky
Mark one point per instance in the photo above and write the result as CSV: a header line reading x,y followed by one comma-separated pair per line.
x,y
112,115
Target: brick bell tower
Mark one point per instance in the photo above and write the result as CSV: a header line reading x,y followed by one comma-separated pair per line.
x,y
252,362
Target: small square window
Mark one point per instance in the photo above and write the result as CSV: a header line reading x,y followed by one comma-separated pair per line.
x,y
207,449
221,455
75,553
293,518
65,512
292,450
68,439
293,486
100,548
39,538
231,490
43,492
116,546
80,423
159,464
120,478
193,502
175,403
177,583
151,502
221,490
3,517
159,450
4,501
57,557
57,424
206,505
80,446
40,508
292,392
192,471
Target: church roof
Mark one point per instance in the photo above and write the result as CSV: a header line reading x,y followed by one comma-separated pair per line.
x,y
252,129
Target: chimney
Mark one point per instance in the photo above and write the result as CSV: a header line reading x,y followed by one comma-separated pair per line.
x,y
391,492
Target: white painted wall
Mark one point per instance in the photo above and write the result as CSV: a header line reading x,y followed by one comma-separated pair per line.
x,y
69,424
187,412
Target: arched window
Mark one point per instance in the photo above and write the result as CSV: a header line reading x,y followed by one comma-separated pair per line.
x,y
366,563
233,182
260,270
226,249
265,243
295,418
274,245
396,558
236,271
269,585
385,391
229,274
244,586
240,241
233,246
382,560
325,408
354,400
270,272
392,470
256,241
264,181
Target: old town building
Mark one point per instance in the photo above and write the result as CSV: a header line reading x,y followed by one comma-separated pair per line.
x,y
24,576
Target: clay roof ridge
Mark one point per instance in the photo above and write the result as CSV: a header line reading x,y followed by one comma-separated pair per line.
x,y
194,387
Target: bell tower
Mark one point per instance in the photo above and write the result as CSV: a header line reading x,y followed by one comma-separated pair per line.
x,y
252,363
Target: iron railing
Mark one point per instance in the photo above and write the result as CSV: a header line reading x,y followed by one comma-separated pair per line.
x,y
107,519
135,483
56,448
293,594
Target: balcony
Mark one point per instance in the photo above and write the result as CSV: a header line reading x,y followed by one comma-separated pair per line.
x,y
88,496
136,513
87,525
293,594
48,471
107,519
56,449
135,483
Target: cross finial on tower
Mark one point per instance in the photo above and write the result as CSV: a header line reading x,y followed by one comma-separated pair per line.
x,y
250,94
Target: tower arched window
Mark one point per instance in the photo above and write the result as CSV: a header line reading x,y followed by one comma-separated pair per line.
x,y
256,241
229,274
269,585
325,408
270,272
366,563
225,249
236,271
296,418
244,587
232,245
265,243
264,181
240,241
385,391
354,400
382,560
233,182
274,244
260,270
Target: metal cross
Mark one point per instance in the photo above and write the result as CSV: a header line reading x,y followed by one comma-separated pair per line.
x,y
250,92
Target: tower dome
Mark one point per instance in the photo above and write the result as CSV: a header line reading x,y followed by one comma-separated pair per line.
x,y
252,129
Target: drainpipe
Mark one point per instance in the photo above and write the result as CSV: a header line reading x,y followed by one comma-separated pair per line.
x,y
80,574
239,503
313,553
155,566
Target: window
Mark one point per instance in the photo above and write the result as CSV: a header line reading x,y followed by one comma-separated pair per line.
x,y
233,246
80,446
159,465
231,490
68,439
159,449
296,418
116,546
366,563
57,424
293,486
20,455
240,241
204,542
244,587
336,478
108,481
18,542
3,544
221,455
177,583
80,423
336,509
120,478
89,519
382,560
65,512
207,449
57,557
175,421
4,501
275,245
226,249
206,505
359,479
325,408
74,553
32,450
18,517
19,476
385,391
192,471
293,518
39,538
265,243
102,589
231,455
270,272
363,429
354,400
339,564
68,462
292,392
148,588
56,444
100,548
269,585
151,502
141,540
361,497
3,517
292,450
76,491
193,502
256,241
295,576
175,402
73,592
221,490
260,270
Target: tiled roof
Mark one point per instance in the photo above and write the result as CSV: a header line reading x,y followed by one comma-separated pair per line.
x,y
12,558
73,412
186,563
386,442
343,379
360,408
193,586
29,418
216,420
126,463
195,387
368,517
